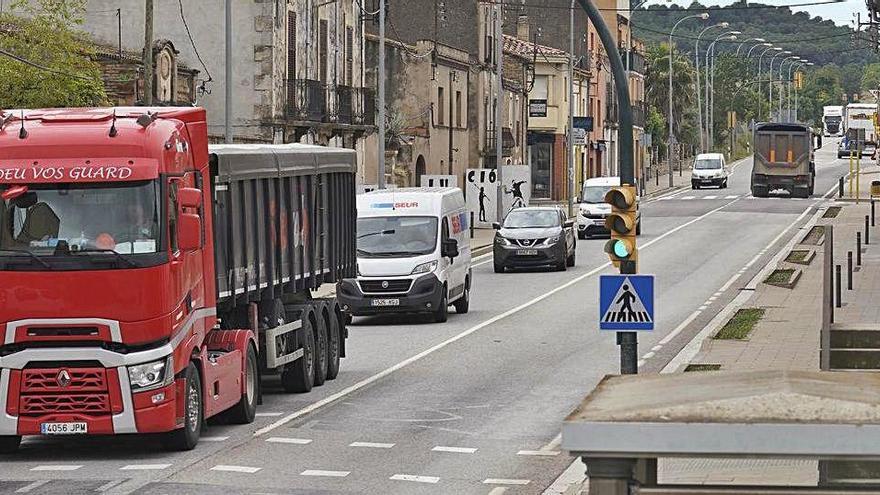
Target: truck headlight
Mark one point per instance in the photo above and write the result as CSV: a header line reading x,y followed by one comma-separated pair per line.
x,y
425,268
150,375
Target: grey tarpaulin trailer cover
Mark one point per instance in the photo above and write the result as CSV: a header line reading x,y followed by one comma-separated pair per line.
x,y
284,217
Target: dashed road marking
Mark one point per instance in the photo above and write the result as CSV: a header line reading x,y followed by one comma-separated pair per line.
x,y
57,467
688,197
539,453
732,196
648,355
498,490
455,450
268,414
295,441
415,478
236,469
710,197
657,348
110,484
371,445
213,439
145,467
703,307
328,474
32,486
505,481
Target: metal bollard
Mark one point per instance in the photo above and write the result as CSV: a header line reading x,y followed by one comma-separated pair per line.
x,y
839,302
858,249
872,213
472,225
867,231
849,270
840,188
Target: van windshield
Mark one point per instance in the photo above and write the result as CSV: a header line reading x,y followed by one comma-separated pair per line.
x,y
396,236
707,164
594,194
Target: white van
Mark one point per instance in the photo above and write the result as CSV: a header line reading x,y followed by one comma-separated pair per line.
x,y
413,254
709,169
592,208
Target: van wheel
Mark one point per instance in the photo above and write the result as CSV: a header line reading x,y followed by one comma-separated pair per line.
x,y
187,437
463,304
322,353
9,444
246,410
299,376
442,313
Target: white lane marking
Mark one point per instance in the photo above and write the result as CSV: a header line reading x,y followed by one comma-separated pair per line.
x,y
236,469
498,490
32,486
710,197
145,467
57,467
641,363
703,307
666,198
687,321
732,196
687,197
554,444
371,445
382,374
539,453
213,439
321,472
648,355
268,414
417,479
657,348
505,481
110,484
455,450
295,441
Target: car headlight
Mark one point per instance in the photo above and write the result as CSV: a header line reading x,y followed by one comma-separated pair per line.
x,y
150,375
503,241
551,240
425,268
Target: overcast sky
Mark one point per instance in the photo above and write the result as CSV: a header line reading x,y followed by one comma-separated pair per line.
x,y
839,12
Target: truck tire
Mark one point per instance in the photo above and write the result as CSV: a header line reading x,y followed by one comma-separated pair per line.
x,y
299,376
9,444
334,343
759,192
187,438
246,410
463,304
322,353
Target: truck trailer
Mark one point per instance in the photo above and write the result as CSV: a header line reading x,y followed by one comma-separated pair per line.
x,y
148,282
783,159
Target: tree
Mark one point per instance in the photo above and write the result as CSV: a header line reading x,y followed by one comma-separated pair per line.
x,y
44,33
871,77
822,87
657,89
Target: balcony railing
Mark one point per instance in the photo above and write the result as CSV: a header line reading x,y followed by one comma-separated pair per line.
x,y
638,113
307,100
636,61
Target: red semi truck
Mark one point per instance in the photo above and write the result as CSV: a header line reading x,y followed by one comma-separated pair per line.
x,y
147,281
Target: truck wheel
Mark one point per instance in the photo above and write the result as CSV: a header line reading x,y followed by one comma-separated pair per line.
x,y
334,345
759,192
442,313
322,352
299,376
9,444
463,304
187,437
246,410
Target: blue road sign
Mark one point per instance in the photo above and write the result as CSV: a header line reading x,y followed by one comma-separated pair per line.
x,y
626,302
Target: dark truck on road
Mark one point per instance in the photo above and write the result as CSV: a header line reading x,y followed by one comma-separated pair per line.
x,y
783,159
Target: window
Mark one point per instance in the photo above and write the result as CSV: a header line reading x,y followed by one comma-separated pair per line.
x,y
349,56
173,207
458,108
440,113
444,230
322,50
539,89
291,45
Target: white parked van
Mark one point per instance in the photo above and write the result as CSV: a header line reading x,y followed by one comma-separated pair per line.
x,y
414,254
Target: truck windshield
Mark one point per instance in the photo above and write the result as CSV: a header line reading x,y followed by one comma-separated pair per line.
x,y
61,220
396,236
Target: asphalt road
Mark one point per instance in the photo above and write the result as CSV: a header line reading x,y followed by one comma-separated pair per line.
x,y
470,406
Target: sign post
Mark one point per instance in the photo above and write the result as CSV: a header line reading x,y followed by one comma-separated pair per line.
x,y
626,306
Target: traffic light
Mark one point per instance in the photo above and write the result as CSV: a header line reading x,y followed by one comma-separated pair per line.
x,y
622,223
799,80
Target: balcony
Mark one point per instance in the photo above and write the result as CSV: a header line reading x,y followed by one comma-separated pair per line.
x,y
307,100
636,60
639,114
508,141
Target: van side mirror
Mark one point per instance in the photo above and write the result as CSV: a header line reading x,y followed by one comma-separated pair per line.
x,y
189,232
449,248
189,197
496,225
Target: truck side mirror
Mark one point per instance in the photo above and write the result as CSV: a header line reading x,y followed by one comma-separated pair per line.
x,y
189,197
189,232
449,248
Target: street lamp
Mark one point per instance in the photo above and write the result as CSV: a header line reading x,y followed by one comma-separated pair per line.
x,y
710,83
799,62
749,53
702,16
746,41
808,64
760,63
722,25
793,59
770,107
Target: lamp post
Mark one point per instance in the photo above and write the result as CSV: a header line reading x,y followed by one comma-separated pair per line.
x,y
761,40
770,106
786,83
760,63
732,37
729,36
798,63
722,25
702,16
808,64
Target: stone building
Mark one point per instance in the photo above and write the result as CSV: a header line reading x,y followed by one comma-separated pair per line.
x,y
298,64
123,75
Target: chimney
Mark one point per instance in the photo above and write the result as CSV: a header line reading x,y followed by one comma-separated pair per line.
x,y
522,28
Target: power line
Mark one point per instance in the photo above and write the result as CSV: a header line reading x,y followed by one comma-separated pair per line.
x,y
195,49
43,67
510,4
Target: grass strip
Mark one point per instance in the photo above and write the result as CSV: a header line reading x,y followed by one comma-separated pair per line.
x,y
702,367
797,256
740,326
779,277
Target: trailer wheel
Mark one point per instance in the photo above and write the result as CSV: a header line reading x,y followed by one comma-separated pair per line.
x,y
9,444
334,345
299,376
322,351
246,410
187,437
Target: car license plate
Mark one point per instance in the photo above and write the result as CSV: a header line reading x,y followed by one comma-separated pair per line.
x,y
599,222
386,302
64,428
526,252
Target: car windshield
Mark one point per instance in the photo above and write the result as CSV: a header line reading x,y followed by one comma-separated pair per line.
x,y
707,164
523,219
396,236
65,219
594,194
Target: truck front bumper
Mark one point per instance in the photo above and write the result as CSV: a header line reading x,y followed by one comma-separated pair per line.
x,y
424,296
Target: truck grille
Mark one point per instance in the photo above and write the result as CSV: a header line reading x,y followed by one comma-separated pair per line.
x,y
64,391
81,380
385,286
65,404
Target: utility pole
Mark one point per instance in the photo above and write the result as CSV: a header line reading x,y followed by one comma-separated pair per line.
x,y
499,88
571,187
148,52
228,75
380,76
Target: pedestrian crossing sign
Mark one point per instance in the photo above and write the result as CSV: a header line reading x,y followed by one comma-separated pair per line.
x,y
626,302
